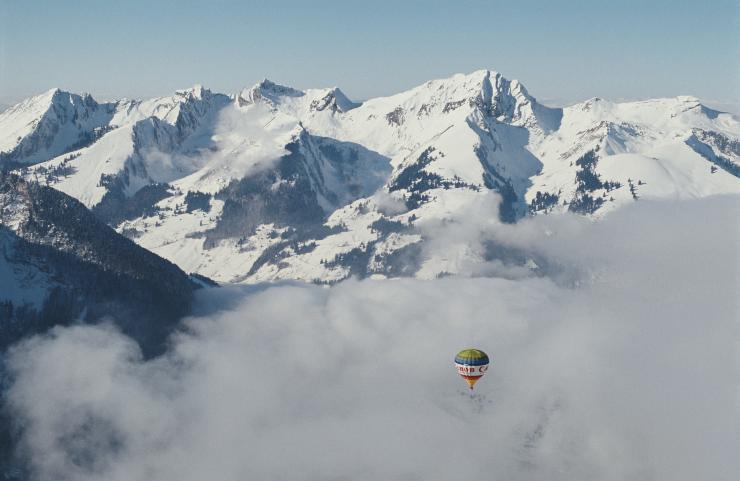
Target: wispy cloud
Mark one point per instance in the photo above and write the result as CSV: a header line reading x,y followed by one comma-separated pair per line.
x,y
624,367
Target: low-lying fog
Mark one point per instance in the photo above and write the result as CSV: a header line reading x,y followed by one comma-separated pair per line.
x,y
624,365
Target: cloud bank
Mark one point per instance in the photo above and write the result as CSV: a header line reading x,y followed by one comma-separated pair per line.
x,y
623,362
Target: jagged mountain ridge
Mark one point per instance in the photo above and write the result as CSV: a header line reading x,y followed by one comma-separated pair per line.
x,y
275,182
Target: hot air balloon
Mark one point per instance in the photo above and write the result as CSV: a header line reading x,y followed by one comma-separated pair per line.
x,y
471,364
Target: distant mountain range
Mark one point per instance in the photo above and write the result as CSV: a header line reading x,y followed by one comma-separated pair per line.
x,y
104,207
277,183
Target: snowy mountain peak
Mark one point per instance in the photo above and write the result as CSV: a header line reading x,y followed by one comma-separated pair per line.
x,y
484,83
333,100
50,124
486,92
63,99
197,91
689,99
39,104
266,90
185,110
50,94
279,183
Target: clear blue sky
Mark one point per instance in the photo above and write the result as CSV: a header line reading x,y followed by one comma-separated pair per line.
x,y
561,50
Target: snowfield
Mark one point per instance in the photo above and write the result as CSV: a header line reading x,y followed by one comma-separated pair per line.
x,y
274,183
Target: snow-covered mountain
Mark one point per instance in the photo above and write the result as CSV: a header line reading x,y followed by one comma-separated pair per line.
x,y
59,264
279,183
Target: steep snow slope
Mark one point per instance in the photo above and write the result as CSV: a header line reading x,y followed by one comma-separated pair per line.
x,y
50,124
278,183
620,152
59,264
133,152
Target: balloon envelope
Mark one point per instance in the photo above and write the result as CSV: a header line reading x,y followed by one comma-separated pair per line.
x,y
471,364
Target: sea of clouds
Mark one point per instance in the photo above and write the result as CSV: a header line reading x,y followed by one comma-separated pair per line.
x,y
620,360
